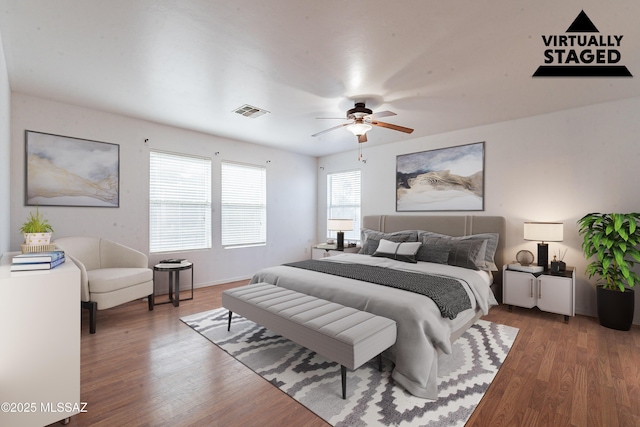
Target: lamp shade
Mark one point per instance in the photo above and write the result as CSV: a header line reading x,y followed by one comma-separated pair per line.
x,y
340,224
359,128
543,231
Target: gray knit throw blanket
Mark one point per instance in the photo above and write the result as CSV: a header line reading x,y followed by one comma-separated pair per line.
x,y
448,294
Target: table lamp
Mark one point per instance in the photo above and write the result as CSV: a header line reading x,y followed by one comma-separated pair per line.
x,y
543,232
340,225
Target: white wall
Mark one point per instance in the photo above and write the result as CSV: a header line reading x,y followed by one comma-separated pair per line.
x,y
553,167
5,150
291,206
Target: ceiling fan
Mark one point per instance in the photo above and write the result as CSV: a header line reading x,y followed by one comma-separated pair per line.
x,y
362,119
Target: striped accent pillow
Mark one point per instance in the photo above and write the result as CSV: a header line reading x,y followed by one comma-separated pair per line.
x,y
405,252
371,238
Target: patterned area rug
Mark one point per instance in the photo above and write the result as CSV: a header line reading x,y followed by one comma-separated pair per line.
x,y
372,397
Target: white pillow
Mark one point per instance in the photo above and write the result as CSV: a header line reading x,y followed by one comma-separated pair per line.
x,y
405,251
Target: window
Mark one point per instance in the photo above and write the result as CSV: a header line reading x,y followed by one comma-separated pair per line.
x,y
179,202
343,201
244,205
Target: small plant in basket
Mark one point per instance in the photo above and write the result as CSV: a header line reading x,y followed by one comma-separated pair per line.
x,y
36,229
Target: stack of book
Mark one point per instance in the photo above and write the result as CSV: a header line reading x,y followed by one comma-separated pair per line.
x,y
526,268
172,263
37,261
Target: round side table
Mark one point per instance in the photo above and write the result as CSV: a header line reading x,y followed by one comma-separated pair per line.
x,y
174,280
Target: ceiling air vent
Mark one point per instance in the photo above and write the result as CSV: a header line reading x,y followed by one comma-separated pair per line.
x,y
250,111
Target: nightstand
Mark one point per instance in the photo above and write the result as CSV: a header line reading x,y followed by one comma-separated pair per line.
x,y
317,253
551,292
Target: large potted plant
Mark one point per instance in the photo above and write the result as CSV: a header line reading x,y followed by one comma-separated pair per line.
x,y
613,239
36,229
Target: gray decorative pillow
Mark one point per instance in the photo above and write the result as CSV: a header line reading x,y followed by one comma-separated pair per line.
x,y
486,254
438,254
462,253
369,239
405,251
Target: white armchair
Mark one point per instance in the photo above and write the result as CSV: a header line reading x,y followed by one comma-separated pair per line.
x,y
111,274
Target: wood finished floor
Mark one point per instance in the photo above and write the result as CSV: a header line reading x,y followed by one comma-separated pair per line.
x,y
146,368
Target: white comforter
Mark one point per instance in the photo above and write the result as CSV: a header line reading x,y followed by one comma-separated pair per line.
x,y
422,331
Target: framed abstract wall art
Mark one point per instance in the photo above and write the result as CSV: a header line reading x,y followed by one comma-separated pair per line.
x,y
66,171
446,179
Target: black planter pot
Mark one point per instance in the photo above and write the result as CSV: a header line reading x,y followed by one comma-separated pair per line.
x,y
615,308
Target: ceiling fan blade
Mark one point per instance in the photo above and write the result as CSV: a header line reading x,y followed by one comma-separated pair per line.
x,y
392,127
330,129
362,138
382,114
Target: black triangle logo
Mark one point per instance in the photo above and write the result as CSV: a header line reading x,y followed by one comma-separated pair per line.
x,y
582,24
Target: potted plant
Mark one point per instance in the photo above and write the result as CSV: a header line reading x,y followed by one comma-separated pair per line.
x,y
36,229
613,239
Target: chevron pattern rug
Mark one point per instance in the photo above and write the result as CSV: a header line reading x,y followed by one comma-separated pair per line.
x,y
372,397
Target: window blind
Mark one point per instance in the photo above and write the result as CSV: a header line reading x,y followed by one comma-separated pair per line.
x,y
179,202
343,201
244,205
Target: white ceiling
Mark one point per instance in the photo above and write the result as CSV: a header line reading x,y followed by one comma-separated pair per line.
x,y
440,65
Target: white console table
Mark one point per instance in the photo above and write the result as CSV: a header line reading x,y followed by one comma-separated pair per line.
x,y
40,344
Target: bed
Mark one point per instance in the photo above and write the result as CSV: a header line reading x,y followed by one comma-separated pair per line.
x,y
424,329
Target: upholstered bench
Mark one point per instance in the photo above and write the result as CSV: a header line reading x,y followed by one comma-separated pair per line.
x,y
342,334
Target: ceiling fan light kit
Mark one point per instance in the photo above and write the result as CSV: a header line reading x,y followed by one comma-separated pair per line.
x,y
358,129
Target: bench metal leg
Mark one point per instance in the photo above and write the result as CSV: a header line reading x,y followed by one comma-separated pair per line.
x,y
343,370
229,325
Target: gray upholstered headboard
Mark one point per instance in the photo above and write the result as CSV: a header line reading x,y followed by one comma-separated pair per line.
x,y
452,225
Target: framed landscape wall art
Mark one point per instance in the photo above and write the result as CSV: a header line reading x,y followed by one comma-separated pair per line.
x,y
446,179
67,171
